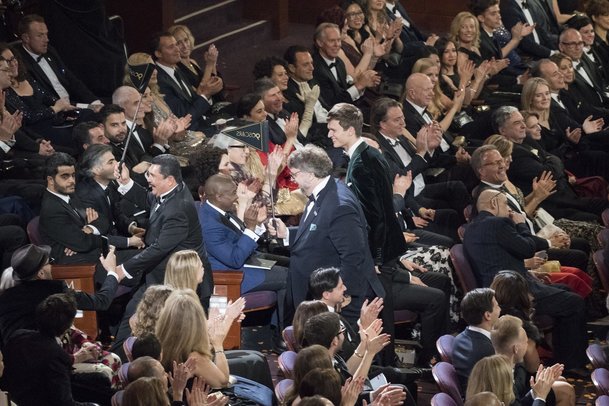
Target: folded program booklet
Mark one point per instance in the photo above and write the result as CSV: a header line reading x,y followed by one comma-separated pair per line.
x,y
261,263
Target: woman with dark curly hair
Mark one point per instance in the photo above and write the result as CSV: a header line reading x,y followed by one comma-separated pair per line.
x,y
206,162
273,68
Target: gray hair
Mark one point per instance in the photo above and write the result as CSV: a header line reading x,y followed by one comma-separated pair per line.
x,y
311,159
501,116
478,155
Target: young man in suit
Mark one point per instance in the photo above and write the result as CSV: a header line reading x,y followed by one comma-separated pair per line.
x,y
45,65
368,177
499,239
480,310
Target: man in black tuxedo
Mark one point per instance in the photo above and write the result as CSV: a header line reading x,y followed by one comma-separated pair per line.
x,y
332,233
148,144
480,310
543,41
173,226
450,161
410,33
96,188
441,204
499,239
283,127
182,98
330,72
572,45
45,65
368,177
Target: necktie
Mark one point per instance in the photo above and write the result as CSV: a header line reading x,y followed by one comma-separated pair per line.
x,y
579,66
332,65
525,5
39,58
309,207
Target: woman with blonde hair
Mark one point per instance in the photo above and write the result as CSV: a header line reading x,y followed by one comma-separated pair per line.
x,y
146,391
184,270
495,374
186,335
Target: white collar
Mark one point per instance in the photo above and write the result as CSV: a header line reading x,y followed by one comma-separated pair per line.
x,y
320,186
65,198
354,146
486,333
328,61
162,197
33,55
216,208
418,108
168,69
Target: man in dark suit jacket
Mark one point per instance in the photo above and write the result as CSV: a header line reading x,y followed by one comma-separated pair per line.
x,y
173,226
543,41
332,232
232,243
499,239
45,65
480,310
181,98
34,283
330,72
97,188
450,160
368,178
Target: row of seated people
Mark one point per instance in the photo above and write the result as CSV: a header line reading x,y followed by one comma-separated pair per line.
x,y
428,170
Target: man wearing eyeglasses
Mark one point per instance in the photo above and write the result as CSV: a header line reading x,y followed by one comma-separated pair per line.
x,y
498,239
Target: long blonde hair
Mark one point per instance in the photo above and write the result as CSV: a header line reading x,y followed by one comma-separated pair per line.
x,y
455,27
492,374
182,328
528,93
182,270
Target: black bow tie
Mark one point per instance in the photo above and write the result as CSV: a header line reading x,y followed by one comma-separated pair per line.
x,y
332,65
230,216
525,4
579,66
311,198
39,58
393,143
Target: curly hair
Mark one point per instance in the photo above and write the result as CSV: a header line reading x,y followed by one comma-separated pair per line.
x,y
206,161
147,311
264,67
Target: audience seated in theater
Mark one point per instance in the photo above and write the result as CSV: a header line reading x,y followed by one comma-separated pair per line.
x,y
561,135
510,340
188,66
458,74
572,44
566,91
488,15
410,31
599,56
543,185
37,369
183,331
273,68
330,72
180,96
44,64
435,207
326,285
160,109
480,310
494,374
32,282
309,358
184,270
42,113
206,161
326,382
232,244
304,311
543,41
596,10
148,309
499,239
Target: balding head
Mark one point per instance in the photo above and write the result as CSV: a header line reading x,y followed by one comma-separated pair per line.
x,y
128,98
221,191
145,367
571,44
419,89
492,201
